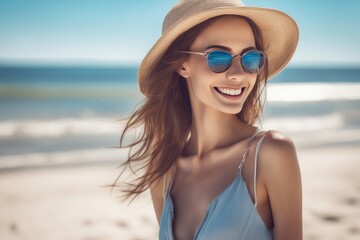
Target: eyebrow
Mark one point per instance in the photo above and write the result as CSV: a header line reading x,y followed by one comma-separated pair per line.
x,y
227,48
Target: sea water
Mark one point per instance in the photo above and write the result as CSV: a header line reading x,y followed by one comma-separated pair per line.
x,y
56,114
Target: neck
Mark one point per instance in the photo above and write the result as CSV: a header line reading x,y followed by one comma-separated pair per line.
x,y
212,129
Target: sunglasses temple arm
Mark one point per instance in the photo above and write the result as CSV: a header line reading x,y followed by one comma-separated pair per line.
x,y
197,53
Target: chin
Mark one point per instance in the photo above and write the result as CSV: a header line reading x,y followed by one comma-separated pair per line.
x,y
228,110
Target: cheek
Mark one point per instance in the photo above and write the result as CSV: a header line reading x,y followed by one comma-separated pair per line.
x,y
200,86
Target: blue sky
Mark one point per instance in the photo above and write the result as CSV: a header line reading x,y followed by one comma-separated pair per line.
x,y
122,31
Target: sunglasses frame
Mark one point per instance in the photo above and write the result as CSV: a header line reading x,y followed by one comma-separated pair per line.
x,y
206,54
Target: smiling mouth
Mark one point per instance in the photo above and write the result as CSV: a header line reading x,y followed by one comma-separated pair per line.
x,y
230,92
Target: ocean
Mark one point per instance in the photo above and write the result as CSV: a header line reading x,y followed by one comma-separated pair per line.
x,y
58,115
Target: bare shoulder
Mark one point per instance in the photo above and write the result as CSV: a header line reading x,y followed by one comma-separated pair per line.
x,y
278,147
276,139
278,156
282,179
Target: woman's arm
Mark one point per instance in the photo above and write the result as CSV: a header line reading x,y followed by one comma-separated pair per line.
x,y
283,183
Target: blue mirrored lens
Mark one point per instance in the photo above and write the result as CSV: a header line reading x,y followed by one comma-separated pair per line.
x,y
252,61
219,61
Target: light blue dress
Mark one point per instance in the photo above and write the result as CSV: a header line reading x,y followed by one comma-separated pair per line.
x,y
230,215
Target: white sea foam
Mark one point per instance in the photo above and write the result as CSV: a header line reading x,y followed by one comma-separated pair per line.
x,y
59,127
92,127
117,156
61,158
305,124
313,91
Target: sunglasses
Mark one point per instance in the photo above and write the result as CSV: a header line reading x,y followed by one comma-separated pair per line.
x,y
219,60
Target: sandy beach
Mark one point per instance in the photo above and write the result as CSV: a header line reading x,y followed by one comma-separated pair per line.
x,y
68,202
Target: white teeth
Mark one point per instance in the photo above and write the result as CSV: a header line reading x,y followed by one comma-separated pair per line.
x,y
230,91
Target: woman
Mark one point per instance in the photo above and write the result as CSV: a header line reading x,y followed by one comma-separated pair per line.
x,y
200,149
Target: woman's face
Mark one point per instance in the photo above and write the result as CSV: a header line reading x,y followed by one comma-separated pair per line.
x,y
229,33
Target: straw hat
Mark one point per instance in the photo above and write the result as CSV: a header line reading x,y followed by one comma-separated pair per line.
x,y
280,31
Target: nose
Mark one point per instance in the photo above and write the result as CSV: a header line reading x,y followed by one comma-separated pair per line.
x,y
235,70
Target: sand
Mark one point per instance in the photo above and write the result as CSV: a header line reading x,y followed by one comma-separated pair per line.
x,y
68,203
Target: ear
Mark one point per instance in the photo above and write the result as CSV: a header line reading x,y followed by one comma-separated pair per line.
x,y
184,70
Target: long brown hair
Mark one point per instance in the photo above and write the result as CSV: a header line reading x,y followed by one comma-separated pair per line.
x,y
165,116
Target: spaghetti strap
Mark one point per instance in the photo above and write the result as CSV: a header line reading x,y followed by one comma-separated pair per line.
x,y
255,164
247,149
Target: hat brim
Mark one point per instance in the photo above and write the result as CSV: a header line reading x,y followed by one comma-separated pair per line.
x,y
280,34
